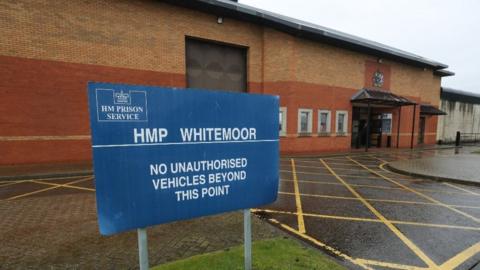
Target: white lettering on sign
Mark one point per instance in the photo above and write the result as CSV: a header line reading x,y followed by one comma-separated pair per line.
x,y
210,178
149,135
218,134
122,106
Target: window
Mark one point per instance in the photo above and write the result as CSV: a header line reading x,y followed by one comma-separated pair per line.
x,y
304,121
282,117
342,122
324,120
386,123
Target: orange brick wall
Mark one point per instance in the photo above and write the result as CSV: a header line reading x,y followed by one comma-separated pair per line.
x,y
49,50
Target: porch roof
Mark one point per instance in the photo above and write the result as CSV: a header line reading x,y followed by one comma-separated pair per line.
x,y
380,97
426,109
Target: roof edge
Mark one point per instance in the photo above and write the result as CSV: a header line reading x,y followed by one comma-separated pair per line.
x,y
443,73
306,30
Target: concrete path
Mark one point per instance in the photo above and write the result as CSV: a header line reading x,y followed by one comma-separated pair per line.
x,y
463,168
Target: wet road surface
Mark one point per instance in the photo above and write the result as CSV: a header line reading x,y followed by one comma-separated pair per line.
x,y
353,208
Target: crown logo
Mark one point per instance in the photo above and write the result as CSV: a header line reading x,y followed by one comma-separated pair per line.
x,y
121,97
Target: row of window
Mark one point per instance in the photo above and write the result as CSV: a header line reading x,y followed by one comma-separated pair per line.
x,y
305,120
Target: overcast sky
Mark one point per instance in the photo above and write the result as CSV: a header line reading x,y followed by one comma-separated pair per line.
x,y
447,31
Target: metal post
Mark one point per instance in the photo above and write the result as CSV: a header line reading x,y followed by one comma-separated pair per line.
x,y
413,124
398,126
142,249
247,236
367,144
457,139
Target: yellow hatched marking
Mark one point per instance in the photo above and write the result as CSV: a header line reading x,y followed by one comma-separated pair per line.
x,y
47,178
318,215
389,224
460,188
432,225
46,189
320,244
305,172
62,185
10,184
390,265
298,201
381,187
8,181
417,192
320,196
461,257
379,159
378,200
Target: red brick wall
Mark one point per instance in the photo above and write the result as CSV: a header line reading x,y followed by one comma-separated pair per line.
x,y
44,68
44,106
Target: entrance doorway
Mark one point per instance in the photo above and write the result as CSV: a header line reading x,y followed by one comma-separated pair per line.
x,y
421,132
378,134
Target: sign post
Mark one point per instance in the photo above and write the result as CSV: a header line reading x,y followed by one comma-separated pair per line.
x,y
142,248
168,154
247,235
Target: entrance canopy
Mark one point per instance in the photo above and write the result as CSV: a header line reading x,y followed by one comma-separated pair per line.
x,y
372,98
378,97
430,110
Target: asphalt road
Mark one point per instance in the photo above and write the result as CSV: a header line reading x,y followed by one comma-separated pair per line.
x,y
348,206
353,208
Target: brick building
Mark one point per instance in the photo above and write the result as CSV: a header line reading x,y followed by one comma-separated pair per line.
x,y
51,49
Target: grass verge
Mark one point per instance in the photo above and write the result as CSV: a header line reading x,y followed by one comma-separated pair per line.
x,y
277,253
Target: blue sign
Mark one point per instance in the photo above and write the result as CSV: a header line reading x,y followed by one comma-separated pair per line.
x,y
166,154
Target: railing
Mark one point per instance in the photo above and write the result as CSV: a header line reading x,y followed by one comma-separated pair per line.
x,y
467,138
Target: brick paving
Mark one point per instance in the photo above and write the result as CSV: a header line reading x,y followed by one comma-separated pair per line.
x,y
61,232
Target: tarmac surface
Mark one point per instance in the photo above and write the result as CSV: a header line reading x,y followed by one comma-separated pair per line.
x,y
355,209
460,168
348,206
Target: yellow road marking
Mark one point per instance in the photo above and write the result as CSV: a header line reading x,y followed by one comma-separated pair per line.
x,y
298,201
320,215
390,265
327,174
8,181
47,178
9,184
432,225
46,189
417,192
62,185
460,188
305,172
320,196
378,200
394,229
381,187
320,244
461,257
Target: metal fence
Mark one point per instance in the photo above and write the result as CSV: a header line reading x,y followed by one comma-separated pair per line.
x,y
467,138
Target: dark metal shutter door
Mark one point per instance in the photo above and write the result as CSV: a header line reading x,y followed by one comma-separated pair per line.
x,y
214,66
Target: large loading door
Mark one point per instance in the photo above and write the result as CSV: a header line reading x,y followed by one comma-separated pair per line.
x,y
215,66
